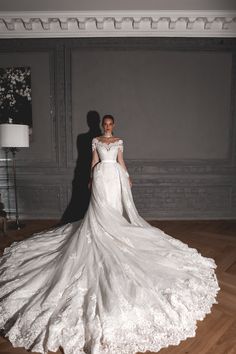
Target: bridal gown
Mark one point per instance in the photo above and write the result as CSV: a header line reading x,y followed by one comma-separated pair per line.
x,y
108,283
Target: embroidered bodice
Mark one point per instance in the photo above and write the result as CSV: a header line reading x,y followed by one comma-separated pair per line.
x,y
107,151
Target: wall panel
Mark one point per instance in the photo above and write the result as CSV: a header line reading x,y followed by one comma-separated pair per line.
x,y
174,100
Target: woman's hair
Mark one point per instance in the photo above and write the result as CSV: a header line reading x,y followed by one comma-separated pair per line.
x,y
108,116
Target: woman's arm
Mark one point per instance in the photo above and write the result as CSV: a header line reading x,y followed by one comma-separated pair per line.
x,y
121,161
95,160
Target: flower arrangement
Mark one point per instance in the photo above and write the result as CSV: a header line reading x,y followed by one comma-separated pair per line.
x,y
15,95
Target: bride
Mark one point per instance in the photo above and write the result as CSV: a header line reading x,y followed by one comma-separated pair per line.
x,y
108,283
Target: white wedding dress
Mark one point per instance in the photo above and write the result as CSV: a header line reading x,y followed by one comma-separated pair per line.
x,y
109,283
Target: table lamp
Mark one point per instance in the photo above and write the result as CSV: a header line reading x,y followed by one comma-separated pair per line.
x,y
13,137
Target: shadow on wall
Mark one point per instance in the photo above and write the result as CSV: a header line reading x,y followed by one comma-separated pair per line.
x,y
80,192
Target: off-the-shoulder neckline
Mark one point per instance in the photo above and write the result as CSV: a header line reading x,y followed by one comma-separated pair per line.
x,y
118,139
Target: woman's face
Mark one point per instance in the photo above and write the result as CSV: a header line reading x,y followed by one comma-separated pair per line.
x,y
108,125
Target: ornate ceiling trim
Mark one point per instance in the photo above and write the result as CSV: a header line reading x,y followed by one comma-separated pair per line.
x,y
118,24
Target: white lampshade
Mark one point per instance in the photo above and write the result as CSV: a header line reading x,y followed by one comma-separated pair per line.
x,y
14,135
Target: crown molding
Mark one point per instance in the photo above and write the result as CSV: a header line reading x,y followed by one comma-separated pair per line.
x,y
181,23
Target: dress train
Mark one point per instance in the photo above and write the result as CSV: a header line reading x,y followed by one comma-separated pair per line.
x,y
109,283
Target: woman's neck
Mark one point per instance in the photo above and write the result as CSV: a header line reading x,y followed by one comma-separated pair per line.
x,y
107,135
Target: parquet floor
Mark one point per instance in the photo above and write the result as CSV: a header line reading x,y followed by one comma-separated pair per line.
x,y
216,334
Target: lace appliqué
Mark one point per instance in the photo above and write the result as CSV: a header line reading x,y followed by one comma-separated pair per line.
x,y
102,286
94,141
108,146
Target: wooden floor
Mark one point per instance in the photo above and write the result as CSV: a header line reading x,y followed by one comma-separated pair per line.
x,y
216,334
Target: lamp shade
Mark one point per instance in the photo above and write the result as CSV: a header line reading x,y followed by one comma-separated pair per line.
x,y
14,135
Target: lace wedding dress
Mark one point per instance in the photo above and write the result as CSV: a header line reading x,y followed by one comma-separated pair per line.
x,y
109,283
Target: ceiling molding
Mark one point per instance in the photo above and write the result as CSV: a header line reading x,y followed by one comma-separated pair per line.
x,y
181,23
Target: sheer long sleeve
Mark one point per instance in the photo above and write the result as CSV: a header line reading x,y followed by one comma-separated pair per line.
x,y
120,157
95,157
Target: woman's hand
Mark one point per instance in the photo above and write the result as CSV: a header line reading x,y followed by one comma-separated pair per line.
x,y
130,182
90,183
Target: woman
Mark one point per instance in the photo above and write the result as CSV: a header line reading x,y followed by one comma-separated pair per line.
x,y
109,283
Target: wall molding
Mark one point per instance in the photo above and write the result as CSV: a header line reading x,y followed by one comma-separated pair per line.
x,y
152,167
162,23
56,113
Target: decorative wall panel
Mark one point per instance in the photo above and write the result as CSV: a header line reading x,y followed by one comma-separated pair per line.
x,y
172,178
